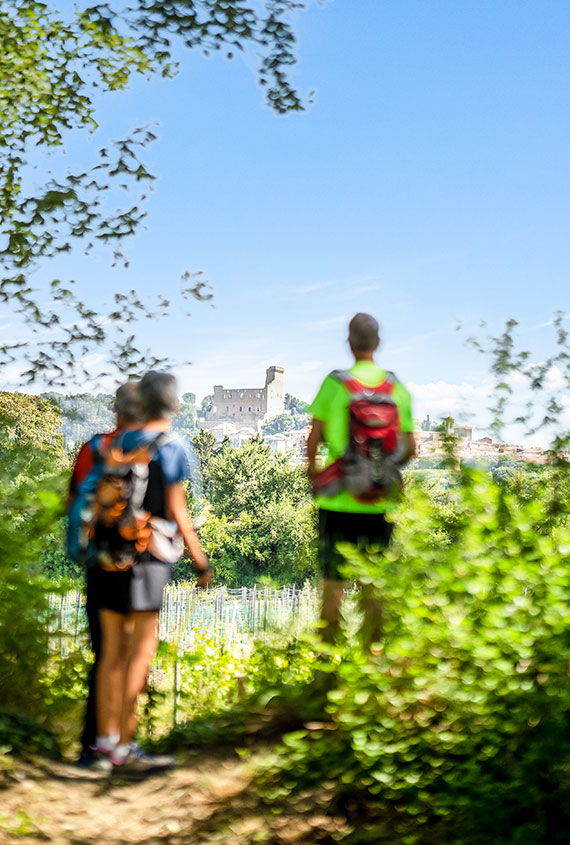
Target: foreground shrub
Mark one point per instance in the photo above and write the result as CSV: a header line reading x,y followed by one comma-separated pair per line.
x,y
223,695
457,727
32,686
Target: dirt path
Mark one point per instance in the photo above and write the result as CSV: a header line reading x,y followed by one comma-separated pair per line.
x,y
208,800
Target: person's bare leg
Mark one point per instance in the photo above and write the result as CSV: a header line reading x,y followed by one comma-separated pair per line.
x,y
142,650
333,592
111,671
372,624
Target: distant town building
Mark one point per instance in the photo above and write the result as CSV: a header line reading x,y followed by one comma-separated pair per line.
x,y
432,443
247,406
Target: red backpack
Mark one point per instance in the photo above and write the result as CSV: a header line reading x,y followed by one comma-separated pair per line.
x,y
369,468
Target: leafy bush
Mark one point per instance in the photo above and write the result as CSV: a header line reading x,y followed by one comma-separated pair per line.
x,y
19,734
31,493
456,728
275,695
260,520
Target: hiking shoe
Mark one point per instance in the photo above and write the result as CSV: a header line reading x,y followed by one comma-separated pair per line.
x,y
102,764
138,763
90,761
102,759
85,759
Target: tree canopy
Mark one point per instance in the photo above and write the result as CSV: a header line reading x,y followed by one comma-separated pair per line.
x,y
51,69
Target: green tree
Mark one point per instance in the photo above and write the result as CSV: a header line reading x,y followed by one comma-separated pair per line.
x,y
262,519
280,423
205,447
207,403
186,419
83,415
31,488
32,421
296,405
53,70
454,727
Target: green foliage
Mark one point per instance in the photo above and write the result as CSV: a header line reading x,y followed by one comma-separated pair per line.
x,y
278,424
429,462
83,415
455,728
31,484
501,468
207,403
186,420
297,406
261,520
31,421
53,69
542,409
19,735
86,414
55,564
285,422
275,676
205,447
296,416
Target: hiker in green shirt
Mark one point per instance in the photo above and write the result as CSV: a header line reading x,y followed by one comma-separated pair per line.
x,y
364,416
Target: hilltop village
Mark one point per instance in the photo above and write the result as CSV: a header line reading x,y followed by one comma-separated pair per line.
x,y
240,413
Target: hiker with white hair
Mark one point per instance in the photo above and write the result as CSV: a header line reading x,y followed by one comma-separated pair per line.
x,y
364,416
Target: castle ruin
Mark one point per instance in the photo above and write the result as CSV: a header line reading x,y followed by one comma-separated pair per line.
x,y
247,406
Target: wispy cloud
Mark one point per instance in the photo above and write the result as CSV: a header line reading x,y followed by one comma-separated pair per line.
x,y
314,287
365,289
327,323
411,343
550,322
364,283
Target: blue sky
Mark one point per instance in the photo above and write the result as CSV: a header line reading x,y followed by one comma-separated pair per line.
x,y
428,183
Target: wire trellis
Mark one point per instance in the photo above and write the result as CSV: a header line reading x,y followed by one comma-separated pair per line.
x,y
223,615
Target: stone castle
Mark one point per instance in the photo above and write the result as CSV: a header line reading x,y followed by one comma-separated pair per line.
x,y
248,406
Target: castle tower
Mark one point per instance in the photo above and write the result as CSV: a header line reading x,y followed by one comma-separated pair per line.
x,y
248,406
274,391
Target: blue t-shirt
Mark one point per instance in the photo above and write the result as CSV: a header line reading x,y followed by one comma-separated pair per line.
x,y
171,455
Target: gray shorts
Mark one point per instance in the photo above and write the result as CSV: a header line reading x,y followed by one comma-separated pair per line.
x,y
139,588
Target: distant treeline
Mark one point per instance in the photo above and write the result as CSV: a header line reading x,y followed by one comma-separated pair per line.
x,y
85,414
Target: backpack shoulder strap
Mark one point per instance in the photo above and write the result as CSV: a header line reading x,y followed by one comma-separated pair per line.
x,y
99,444
356,388
161,439
340,375
389,381
346,378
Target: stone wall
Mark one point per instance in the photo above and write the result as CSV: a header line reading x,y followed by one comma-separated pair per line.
x,y
249,405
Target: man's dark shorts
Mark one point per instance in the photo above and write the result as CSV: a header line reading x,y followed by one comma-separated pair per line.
x,y
361,529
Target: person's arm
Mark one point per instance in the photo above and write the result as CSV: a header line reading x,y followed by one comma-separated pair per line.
x,y
177,511
315,437
406,422
409,446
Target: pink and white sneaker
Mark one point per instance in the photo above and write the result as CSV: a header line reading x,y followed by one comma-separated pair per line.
x,y
137,762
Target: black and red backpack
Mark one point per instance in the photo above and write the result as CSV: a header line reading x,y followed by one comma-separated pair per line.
x,y
370,466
